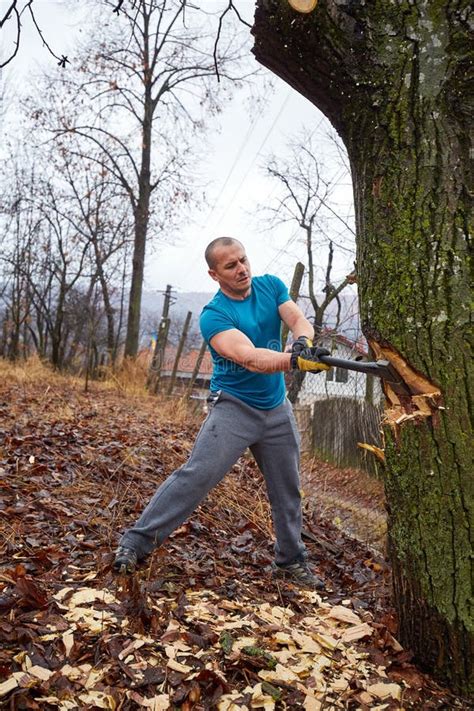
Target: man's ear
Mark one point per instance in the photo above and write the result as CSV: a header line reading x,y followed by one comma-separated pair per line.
x,y
212,274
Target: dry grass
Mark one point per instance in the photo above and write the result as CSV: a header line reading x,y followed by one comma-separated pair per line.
x,y
129,378
31,371
128,382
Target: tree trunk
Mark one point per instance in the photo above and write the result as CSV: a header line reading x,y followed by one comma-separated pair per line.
x,y
142,208
393,80
132,338
57,328
108,306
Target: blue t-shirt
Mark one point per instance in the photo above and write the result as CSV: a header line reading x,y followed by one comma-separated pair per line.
x,y
257,316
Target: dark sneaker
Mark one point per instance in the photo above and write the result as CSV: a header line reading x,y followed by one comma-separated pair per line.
x,y
125,561
299,573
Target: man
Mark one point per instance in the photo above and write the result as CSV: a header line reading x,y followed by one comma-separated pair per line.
x,y
247,409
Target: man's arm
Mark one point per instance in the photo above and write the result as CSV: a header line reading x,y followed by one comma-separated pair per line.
x,y
293,317
234,345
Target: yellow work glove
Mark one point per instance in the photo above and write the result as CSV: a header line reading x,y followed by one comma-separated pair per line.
x,y
308,359
300,344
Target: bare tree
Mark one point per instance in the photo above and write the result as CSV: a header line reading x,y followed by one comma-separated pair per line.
x,y
44,259
306,198
19,231
139,104
96,210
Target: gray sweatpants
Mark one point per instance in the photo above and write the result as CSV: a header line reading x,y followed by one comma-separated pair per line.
x,y
230,427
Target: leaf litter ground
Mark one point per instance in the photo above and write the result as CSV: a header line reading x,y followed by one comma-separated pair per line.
x,y
202,625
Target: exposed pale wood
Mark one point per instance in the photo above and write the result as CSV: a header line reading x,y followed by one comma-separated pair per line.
x,y
376,451
303,6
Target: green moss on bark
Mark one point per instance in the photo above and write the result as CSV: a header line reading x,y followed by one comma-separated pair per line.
x,y
393,79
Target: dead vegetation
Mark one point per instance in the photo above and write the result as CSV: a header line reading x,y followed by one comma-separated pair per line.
x,y
203,625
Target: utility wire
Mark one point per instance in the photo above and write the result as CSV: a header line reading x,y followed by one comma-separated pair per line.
x,y
240,151
237,190
234,164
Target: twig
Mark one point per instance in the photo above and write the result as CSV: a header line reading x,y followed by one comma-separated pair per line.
x,y
7,14
63,60
230,6
118,7
11,9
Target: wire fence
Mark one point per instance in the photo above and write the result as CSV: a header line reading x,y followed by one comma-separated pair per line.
x,y
336,412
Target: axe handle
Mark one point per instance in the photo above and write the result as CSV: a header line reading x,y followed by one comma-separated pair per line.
x,y
379,368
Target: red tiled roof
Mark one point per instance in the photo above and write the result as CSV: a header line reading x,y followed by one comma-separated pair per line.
x,y
360,346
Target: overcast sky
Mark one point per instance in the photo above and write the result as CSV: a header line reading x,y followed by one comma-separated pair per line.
x,y
234,166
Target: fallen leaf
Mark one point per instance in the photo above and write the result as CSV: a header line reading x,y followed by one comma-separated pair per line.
x,y
84,595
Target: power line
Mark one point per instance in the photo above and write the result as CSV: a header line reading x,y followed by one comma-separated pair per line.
x,y
275,120
283,249
236,160
247,136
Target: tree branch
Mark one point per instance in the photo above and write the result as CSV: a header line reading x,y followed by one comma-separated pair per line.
x,y
63,60
230,6
11,9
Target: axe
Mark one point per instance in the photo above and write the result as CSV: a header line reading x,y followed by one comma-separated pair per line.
x,y
380,368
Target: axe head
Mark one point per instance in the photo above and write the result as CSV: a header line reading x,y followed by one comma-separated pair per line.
x,y
388,373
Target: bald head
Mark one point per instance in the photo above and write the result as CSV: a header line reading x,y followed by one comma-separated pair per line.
x,y
213,246
229,266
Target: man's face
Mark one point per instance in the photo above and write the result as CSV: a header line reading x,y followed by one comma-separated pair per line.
x,y
232,270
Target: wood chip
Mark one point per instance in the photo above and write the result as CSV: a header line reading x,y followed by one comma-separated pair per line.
x,y
303,6
68,641
8,685
343,614
376,451
177,666
98,699
40,672
326,641
385,691
357,632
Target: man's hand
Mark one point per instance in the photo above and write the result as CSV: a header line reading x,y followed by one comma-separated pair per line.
x,y
308,359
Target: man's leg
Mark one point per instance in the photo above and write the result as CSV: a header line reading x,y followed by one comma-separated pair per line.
x,y
224,436
277,454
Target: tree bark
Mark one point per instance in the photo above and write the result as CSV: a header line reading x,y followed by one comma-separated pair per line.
x,y
142,208
393,78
